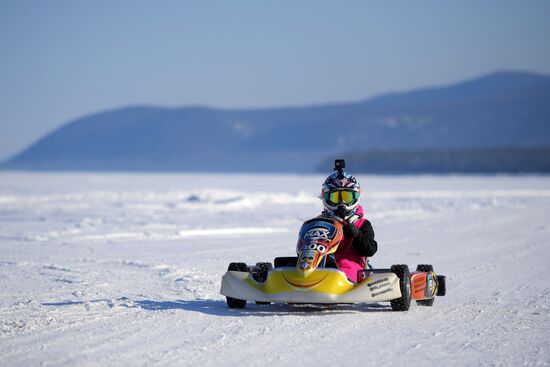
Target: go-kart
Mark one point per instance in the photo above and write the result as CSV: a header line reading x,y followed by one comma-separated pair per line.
x,y
313,278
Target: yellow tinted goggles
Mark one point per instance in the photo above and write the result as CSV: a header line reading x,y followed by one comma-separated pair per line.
x,y
342,197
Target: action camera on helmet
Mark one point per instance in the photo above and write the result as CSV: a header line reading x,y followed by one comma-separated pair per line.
x,y
339,164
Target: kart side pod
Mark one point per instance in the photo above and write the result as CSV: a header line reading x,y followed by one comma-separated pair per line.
x,y
322,286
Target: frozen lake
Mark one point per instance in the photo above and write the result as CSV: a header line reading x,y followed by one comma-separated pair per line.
x,y
111,269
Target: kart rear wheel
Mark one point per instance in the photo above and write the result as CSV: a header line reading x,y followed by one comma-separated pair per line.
x,y
402,303
425,302
441,286
234,302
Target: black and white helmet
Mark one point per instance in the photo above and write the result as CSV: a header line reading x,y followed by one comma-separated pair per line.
x,y
340,194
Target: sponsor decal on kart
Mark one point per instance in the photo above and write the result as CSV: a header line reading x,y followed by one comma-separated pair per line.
x,y
306,259
318,230
378,281
314,246
383,285
387,290
317,233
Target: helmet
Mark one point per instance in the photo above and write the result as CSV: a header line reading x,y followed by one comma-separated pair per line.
x,y
340,193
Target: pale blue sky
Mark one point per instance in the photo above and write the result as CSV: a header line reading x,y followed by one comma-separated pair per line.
x,y
63,59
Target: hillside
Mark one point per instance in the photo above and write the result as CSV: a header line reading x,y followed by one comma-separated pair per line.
x,y
499,110
487,160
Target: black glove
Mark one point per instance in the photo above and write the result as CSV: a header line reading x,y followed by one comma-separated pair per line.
x,y
350,230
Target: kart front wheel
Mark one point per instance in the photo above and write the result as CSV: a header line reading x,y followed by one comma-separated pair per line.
x,y
260,275
404,302
234,302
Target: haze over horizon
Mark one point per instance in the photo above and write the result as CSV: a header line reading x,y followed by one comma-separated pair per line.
x,y
64,60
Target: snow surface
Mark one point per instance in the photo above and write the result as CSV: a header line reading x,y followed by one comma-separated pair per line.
x,y
113,269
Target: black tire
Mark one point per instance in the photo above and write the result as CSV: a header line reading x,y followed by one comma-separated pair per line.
x,y
260,275
238,267
441,286
403,303
424,267
425,302
234,302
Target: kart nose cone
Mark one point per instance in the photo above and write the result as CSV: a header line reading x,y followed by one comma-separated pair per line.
x,y
305,267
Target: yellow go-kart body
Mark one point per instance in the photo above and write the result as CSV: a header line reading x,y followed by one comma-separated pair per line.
x,y
322,285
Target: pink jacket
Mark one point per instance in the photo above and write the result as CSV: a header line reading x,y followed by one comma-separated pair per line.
x,y
347,258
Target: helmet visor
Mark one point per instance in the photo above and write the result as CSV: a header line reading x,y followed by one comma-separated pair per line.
x,y
348,197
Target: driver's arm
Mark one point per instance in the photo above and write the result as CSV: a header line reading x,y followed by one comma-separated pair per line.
x,y
363,240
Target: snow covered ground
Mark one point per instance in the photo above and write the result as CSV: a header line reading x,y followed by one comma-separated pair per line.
x,y
112,269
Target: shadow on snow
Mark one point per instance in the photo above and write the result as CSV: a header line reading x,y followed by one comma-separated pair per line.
x,y
219,307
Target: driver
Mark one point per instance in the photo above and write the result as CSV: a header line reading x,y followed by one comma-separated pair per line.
x,y
340,194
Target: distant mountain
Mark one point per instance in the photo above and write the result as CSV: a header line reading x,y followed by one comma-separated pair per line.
x,y
487,160
507,109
